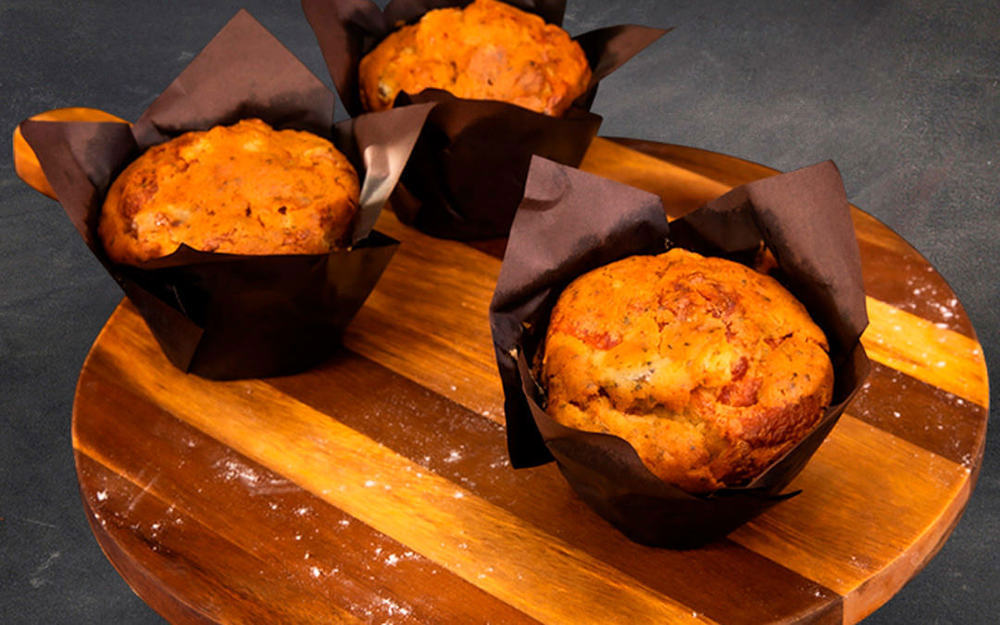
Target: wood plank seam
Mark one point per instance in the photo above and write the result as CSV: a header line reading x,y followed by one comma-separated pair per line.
x,y
954,364
887,323
147,489
919,348
138,327
321,550
416,507
822,601
855,565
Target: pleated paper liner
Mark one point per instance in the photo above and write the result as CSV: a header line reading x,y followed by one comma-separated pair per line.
x,y
224,315
468,169
570,222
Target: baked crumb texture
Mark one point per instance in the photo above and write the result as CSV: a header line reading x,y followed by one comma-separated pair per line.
x,y
707,368
240,189
487,51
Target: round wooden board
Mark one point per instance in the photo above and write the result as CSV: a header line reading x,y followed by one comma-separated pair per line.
x,y
376,488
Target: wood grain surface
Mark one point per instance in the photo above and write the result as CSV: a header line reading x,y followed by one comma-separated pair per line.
x,y
375,488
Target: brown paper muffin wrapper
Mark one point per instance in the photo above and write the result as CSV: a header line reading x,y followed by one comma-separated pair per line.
x,y
467,173
229,316
570,222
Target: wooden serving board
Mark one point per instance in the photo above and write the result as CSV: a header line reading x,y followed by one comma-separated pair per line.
x,y
376,489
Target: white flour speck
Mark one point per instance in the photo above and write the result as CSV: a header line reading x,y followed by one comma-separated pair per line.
x,y
453,456
315,571
102,495
394,608
370,483
234,470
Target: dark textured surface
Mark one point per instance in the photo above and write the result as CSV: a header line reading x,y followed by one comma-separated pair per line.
x,y
904,96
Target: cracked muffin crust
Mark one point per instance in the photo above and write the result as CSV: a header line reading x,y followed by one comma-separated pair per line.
x,y
240,189
707,368
487,51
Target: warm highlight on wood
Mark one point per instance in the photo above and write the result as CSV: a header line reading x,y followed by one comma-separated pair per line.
x,y
861,479
375,488
923,350
486,546
442,340
682,190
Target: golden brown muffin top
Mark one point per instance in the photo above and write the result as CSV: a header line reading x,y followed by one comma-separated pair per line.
x,y
707,368
240,189
487,51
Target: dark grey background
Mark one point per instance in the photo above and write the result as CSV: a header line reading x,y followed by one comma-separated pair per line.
x,y
902,95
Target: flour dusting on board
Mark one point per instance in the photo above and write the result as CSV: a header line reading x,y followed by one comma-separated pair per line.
x,y
500,463
231,469
391,608
929,294
261,482
393,559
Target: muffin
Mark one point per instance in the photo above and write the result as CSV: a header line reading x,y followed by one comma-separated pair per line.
x,y
708,369
487,51
240,189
